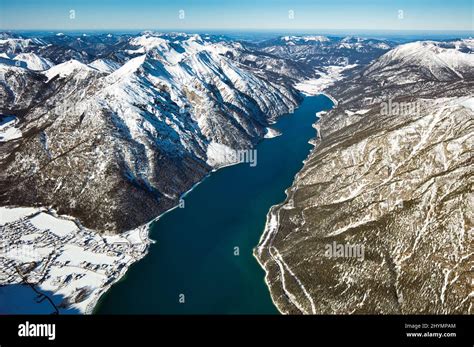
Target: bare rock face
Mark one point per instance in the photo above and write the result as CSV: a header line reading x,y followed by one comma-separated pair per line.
x,y
380,218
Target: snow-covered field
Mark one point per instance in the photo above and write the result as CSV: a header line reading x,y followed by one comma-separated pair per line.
x,y
74,266
60,227
327,78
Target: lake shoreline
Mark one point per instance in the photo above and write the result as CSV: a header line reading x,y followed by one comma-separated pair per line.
x,y
272,218
92,304
306,117
148,226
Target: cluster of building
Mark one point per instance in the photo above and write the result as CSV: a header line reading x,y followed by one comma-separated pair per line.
x,y
58,256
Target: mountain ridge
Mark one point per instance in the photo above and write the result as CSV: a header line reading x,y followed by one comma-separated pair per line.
x,y
153,109
395,182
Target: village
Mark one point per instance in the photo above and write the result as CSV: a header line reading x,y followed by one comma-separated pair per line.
x,y
55,254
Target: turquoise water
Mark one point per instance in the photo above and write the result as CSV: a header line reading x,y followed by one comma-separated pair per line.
x,y
194,254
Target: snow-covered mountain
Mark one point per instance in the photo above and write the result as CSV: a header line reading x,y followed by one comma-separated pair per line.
x,y
320,51
292,40
34,61
390,183
11,44
443,61
18,85
71,68
59,49
113,136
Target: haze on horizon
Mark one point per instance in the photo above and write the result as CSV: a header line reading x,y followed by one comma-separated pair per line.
x,y
396,15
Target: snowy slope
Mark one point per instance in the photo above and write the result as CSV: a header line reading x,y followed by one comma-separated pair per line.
x,y
140,135
192,67
17,85
399,184
439,60
105,65
71,67
34,61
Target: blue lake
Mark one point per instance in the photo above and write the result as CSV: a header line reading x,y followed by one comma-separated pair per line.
x,y
194,253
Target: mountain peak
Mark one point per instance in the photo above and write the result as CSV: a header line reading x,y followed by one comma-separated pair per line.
x,y
68,68
438,60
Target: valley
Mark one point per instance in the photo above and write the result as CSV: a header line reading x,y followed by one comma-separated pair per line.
x,y
190,139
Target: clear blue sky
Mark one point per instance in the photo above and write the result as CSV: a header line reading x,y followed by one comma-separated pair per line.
x,y
237,14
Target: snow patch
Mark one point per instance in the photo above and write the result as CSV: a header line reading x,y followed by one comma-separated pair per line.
x,y
219,154
271,133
